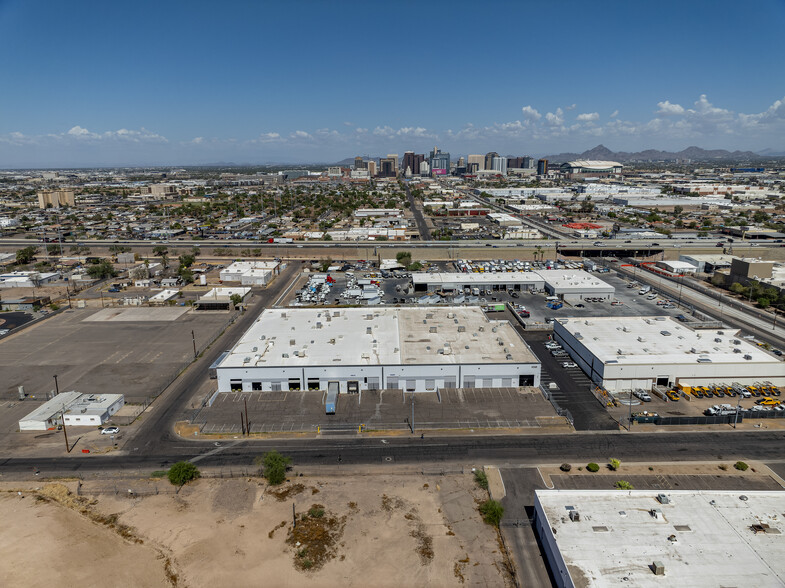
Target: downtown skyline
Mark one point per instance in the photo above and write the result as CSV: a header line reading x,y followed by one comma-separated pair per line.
x,y
144,84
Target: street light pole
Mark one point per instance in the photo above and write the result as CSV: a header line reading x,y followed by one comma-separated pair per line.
x,y
193,338
57,388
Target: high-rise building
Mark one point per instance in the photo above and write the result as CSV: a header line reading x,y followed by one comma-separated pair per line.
x,y
394,157
371,167
412,160
528,163
461,162
387,167
473,167
515,162
489,159
425,168
479,160
439,162
359,163
55,198
542,167
499,164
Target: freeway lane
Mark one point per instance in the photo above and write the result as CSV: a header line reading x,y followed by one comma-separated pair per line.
x,y
496,450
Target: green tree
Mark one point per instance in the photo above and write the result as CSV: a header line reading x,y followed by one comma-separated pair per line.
x,y
235,299
404,258
492,512
275,466
26,255
764,302
736,288
182,472
102,269
624,485
53,249
186,260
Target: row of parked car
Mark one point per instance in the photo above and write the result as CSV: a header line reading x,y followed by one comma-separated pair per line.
x,y
727,409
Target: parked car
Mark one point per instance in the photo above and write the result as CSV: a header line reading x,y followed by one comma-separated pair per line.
x,y
569,364
642,395
110,431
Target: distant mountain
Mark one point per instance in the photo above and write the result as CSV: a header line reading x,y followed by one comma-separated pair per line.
x,y
601,152
771,153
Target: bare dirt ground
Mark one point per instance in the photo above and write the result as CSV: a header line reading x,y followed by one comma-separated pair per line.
x,y
387,530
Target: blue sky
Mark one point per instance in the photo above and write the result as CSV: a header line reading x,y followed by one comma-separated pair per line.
x,y
168,82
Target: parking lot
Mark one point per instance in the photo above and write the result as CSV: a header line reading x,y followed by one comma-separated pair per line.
x,y
96,351
475,408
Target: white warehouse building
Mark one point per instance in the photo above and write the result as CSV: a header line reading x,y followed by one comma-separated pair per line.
x,y
643,538
623,353
354,349
459,280
575,285
250,273
73,409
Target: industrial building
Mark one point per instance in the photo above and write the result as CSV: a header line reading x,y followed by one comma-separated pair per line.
x,y
220,298
454,281
708,263
624,353
73,409
250,273
641,538
587,168
355,349
574,285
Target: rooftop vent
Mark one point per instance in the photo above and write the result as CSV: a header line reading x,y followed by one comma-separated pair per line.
x,y
368,330
318,325
665,333
663,499
291,342
704,360
461,329
432,330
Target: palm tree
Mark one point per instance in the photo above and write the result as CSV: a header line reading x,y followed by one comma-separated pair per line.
x,y
538,252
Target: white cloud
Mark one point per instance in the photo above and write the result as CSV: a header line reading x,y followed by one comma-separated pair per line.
x,y
197,140
571,107
555,118
588,116
531,113
300,135
614,114
78,131
668,109
361,130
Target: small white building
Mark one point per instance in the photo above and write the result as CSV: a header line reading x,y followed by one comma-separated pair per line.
x,y
624,353
250,273
220,298
75,409
355,349
163,296
644,538
676,267
27,279
574,285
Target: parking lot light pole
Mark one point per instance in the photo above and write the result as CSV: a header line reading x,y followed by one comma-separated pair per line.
x,y
57,388
736,417
193,338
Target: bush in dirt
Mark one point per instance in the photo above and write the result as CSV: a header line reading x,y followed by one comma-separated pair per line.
x,y
275,466
182,472
565,467
481,478
492,512
741,466
624,485
593,467
614,463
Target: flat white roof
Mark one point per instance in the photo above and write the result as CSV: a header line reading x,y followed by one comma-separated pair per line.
x,y
477,278
243,266
567,280
714,541
378,336
52,407
662,340
164,295
223,294
677,264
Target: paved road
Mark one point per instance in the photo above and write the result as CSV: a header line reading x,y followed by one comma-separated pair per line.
x,y
419,219
517,527
762,445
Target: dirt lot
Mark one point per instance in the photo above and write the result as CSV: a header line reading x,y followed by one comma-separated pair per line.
x,y
388,530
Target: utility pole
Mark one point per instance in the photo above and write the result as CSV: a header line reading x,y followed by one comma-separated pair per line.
x,y
412,413
736,417
629,413
57,388
65,433
247,424
193,338
242,423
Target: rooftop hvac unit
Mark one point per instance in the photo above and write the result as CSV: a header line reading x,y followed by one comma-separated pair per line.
x,y
461,329
291,341
665,333
658,568
368,331
432,330
255,349
262,337
747,357
493,329
246,359
285,355
450,315
508,357
575,516
641,339
736,350
296,353
318,325
736,342
717,340
283,315
440,351
663,499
